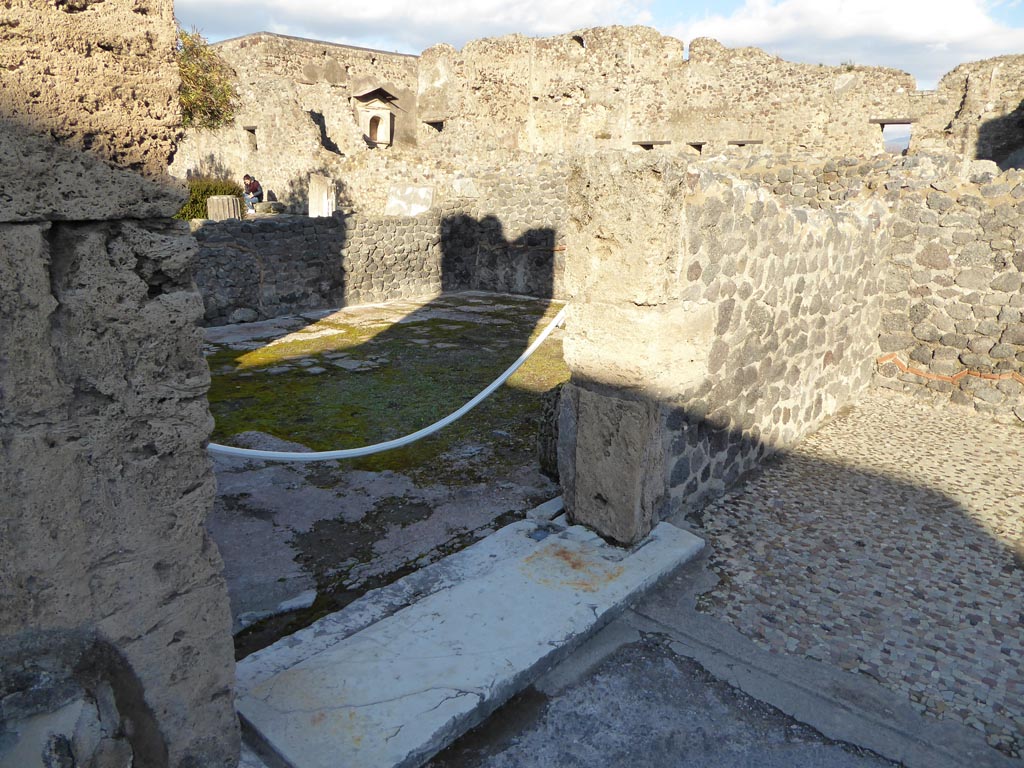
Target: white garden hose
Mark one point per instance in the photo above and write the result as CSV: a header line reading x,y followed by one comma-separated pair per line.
x,y
354,453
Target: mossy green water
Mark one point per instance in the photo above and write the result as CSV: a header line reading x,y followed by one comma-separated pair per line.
x,y
419,370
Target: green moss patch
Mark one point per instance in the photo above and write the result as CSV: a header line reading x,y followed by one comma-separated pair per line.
x,y
418,371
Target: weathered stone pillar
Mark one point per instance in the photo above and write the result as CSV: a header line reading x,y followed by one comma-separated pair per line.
x,y
630,341
115,644
708,327
221,207
322,196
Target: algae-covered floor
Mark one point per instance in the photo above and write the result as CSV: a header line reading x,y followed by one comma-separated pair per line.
x,y
292,533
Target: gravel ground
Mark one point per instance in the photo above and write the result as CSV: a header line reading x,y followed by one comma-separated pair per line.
x,y
645,706
890,543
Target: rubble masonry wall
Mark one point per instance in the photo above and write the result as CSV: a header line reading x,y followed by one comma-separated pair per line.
x,y
493,231
953,267
953,294
708,327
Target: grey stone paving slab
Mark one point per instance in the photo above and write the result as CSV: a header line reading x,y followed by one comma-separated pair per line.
x,y
398,690
240,333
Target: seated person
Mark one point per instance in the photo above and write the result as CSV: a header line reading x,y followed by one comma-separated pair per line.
x,y
253,192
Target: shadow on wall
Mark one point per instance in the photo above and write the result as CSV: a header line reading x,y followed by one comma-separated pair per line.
x,y
477,256
1002,139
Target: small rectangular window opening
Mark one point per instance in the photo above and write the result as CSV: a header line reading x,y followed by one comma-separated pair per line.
x,y
251,130
896,137
437,125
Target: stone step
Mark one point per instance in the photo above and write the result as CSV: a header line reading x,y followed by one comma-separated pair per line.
x,y
405,670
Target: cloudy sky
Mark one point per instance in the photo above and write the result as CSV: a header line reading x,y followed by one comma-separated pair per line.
x,y
924,37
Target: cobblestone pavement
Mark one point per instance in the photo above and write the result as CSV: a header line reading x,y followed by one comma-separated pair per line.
x,y
890,543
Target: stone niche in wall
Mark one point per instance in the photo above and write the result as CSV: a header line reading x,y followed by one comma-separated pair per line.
x,y
375,115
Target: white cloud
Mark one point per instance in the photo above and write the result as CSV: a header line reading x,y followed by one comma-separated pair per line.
x,y
925,37
406,25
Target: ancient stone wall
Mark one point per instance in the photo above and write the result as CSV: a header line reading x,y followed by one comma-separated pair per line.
x,y
709,326
618,87
260,268
977,112
830,183
500,98
115,644
953,286
249,270
504,230
299,112
954,293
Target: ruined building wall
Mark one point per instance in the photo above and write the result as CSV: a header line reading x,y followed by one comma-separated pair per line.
x,y
499,232
977,111
114,623
708,327
952,324
953,289
608,88
297,112
830,183
498,98
250,270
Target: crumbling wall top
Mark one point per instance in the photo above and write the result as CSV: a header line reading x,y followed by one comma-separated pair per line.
x,y
87,82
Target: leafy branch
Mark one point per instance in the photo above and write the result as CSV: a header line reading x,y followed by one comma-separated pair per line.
x,y
207,92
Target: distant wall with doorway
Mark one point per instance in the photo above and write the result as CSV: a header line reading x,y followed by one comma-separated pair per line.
x,y
313,107
304,107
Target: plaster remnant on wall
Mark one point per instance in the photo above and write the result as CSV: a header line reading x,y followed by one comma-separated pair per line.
x,y
408,201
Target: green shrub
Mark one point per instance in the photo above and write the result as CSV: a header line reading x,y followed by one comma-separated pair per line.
x,y
207,91
199,189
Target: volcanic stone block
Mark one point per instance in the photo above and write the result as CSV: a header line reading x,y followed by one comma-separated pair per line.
x,y
619,470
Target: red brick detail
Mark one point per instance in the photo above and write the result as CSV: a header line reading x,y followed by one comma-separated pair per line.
x,y
892,358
